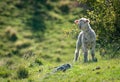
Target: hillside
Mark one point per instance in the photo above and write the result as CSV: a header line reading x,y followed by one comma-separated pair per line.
x,y
89,72
37,36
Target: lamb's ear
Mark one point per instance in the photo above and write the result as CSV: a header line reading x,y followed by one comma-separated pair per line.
x,y
76,21
87,20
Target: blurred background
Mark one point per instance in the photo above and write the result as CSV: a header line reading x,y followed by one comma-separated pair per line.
x,y
38,33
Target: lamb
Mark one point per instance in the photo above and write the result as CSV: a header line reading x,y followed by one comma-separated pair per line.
x,y
86,39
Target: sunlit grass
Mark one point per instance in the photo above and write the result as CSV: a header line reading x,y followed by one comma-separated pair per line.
x,y
40,52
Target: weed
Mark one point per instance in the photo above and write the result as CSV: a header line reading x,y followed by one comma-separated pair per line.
x,y
38,62
5,73
22,73
58,59
11,34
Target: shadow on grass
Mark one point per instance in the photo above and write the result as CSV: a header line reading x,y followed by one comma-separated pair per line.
x,y
36,22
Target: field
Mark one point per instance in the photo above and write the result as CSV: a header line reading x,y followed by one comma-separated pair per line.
x,y
32,45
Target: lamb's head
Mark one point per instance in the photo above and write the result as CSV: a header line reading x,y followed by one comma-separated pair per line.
x,y
82,23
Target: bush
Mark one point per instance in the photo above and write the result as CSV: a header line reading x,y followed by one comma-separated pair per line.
x,y
11,34
64,8
105,18
4,72
22,73
38,62
9,62
58,59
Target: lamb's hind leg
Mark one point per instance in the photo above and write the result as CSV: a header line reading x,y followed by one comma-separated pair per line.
x,y
93,54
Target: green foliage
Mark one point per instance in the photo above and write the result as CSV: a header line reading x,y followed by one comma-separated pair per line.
x,y
5,73
40,28
22,73
88,72
65,8
73,32
38,61
11,34
22,44
104,20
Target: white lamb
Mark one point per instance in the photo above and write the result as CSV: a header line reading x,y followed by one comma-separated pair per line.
x,y
86,39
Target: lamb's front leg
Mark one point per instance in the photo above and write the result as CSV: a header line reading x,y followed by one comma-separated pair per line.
x,y
86,56
78,45
85,51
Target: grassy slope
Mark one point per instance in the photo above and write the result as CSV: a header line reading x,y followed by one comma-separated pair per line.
x,y
52,55
46,53
80,72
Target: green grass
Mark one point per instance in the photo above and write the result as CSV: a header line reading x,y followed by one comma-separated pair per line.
x,y
87,72
40,52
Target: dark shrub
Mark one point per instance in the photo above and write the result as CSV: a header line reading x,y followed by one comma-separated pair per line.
x,y
22,73
38,62
65,9
4,73
11,34
58,59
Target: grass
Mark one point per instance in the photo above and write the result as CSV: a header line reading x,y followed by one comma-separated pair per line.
x,y
88,72
40,52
